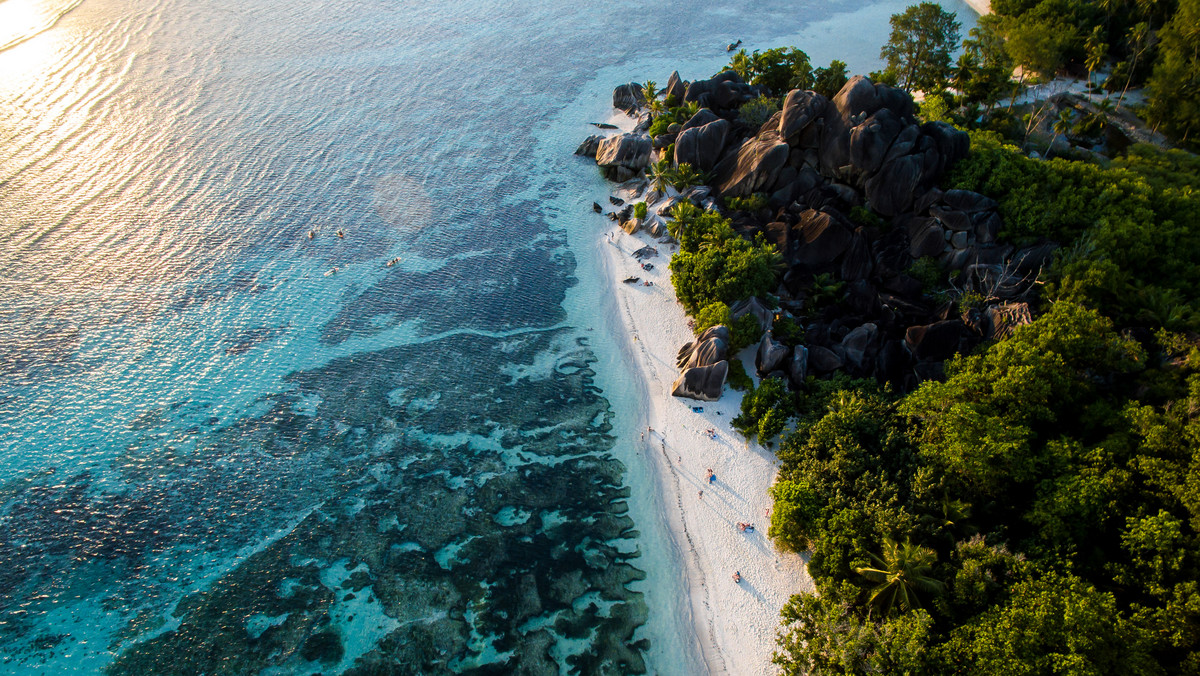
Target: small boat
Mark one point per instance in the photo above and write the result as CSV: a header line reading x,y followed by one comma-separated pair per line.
x,y
393,261
733,45
331,273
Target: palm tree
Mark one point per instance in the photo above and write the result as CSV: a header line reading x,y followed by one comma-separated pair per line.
x,y
1061,126
742,64
1138,44
1097,53
686,177
650,92
660,174
682,214
903,571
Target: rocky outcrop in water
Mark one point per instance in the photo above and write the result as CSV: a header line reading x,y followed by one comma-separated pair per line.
x,y
622,157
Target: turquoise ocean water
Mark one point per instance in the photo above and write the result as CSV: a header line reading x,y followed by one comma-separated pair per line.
x,y
227,447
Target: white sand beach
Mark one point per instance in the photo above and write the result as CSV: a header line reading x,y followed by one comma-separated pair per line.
x,y
736,623
981,7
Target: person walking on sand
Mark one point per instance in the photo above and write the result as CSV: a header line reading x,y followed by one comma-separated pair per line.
x,y
737,576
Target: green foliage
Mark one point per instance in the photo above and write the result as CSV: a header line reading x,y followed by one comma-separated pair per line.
x,y
1174,87
673,115
713,314
918,51
825,637
1140,216
825,291
738,379
797,515
640,209
755,113
988,425
765,411
1055,474
935,108
752,203
715,264
779,70
787,331
743,332
901,572
1055,624
1038,45
829,81
686,176
863,216
985,67
929,272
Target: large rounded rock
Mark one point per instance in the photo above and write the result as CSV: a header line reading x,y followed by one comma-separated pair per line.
x,y
719,332
856,263
800,109
702,117
753,168
753,306
892,189
823,360
1002,320
823,237
675,87
770,355
929,240
707,353
701,146
704,383
589,146
857,98
623,156
968,201
934,342
859,346
952,143
871,140
798,365
952,218
628,97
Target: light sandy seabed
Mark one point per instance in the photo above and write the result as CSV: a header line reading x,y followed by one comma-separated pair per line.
x,y
737,623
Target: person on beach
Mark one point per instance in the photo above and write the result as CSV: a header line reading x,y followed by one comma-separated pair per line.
x,y
701,494
737,576
710,476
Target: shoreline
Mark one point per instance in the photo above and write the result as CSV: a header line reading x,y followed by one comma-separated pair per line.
x,y
981,7
736,623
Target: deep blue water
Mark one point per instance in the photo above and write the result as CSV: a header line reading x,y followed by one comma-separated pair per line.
x,y
219,455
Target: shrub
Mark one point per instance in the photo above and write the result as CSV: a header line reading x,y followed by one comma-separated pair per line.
x,y
865,217
787,331
738,379
640,209
765,411
755,113
752,203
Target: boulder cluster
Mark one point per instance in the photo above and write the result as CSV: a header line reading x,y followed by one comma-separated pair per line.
x,y
852,204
